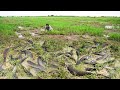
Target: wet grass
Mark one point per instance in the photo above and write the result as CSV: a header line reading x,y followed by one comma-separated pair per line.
x,y
53,45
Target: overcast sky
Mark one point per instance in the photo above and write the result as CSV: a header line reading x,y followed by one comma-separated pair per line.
x,y
64,13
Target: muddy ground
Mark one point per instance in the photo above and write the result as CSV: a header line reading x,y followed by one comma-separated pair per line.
x,y
32,55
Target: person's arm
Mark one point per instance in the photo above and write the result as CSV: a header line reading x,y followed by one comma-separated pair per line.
x,y
51,28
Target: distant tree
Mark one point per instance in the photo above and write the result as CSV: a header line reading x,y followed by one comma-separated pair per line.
x,y
52,15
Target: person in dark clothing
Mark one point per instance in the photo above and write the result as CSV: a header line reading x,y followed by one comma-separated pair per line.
x,y
48,27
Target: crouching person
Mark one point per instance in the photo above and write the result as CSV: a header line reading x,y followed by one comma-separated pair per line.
x,y
48,27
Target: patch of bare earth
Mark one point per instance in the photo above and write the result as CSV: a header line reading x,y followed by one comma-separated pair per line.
x,y
64,37
111,31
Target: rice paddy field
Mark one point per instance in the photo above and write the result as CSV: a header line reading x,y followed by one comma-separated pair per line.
x,y
76,48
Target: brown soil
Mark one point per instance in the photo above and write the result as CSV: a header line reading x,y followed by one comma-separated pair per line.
x,y
63,37
111,31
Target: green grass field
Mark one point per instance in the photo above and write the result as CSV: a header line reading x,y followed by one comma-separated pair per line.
x,y
62,25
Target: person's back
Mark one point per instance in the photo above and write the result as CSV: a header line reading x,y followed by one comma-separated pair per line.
x,y
48,27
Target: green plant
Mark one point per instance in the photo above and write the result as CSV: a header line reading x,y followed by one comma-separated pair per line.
x,y
114,36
